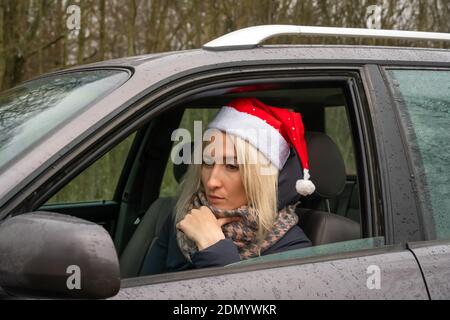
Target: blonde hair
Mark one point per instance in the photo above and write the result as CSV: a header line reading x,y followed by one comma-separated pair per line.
x,y
260,181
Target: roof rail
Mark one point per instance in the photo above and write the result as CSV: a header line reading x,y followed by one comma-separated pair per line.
x,y
251,37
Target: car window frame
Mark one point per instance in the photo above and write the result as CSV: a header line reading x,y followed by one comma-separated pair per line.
x,y
352,90
357,95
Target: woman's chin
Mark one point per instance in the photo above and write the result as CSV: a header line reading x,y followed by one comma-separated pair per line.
x,y
219,204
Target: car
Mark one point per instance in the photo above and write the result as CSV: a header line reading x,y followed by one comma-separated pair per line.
x,y
377,125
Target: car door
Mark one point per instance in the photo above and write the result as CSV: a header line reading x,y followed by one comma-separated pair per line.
x,y
384,273
434,259
370,268
423,111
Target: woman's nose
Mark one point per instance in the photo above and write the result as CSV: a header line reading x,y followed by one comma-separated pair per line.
x,y
214,180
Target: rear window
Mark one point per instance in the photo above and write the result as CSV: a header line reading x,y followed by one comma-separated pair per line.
x,y
32,110
425,95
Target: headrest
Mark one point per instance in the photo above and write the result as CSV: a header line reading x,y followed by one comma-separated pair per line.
x,y
326,165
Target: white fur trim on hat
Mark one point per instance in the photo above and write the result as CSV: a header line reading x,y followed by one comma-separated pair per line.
x,y
257,132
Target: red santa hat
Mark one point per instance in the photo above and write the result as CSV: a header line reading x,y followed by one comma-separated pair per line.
x,y
277,129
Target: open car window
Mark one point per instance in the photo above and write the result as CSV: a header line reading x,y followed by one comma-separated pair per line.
x,y
326,110
319,250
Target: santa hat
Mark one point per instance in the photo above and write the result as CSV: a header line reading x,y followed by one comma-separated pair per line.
x,y
281,129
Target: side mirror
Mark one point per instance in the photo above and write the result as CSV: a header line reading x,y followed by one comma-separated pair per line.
x,y
44,254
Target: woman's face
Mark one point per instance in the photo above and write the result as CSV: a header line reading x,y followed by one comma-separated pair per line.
x,y
221,177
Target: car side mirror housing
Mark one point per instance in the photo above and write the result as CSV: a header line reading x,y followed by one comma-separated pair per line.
x,y
50,255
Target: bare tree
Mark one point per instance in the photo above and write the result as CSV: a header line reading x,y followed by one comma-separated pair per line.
x,y
34,38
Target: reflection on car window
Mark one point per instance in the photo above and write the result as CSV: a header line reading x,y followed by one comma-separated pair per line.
x,y
426,96
338,128
330,248
99,181
32,110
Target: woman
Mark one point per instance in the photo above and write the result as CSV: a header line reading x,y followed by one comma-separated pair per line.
x,y
229,208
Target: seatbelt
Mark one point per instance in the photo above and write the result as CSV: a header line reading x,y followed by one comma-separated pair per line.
x,y
344,199
147,160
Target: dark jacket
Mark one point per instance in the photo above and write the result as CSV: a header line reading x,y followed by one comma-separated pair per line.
x,y
165,255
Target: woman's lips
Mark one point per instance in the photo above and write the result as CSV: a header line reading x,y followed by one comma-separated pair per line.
x,y
214,198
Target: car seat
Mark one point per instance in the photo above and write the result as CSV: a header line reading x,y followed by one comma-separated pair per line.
x,y
327,171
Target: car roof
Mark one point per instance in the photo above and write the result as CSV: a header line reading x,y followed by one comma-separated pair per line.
x,y
328,54
247,43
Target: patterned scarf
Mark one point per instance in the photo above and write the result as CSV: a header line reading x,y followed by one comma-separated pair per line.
x,y
243,232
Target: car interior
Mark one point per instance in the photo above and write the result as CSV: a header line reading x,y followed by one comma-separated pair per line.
x,y
139,207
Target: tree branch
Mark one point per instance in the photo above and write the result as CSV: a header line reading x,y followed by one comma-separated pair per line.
x,y
45,46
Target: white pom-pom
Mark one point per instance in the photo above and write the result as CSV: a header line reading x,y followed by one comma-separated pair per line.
x,y
305,187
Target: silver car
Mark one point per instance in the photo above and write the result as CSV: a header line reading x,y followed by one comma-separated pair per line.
x,y
379,220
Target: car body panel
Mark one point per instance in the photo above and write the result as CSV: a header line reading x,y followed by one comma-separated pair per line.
x,y
337,279
299,53
434,260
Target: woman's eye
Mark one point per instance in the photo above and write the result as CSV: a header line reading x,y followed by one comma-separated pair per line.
x,y
232,167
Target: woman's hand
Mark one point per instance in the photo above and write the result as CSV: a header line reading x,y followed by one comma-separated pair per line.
x,y
203,227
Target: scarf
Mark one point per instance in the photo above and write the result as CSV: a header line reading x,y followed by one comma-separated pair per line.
x,y
244,232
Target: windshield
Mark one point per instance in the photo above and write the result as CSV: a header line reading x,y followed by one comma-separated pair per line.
x,y
31,111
